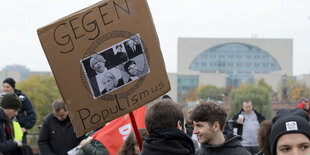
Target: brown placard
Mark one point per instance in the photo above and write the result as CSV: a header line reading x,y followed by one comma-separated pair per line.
x,y
82,50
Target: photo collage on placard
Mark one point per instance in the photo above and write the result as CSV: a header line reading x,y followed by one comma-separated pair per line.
x,y
115,66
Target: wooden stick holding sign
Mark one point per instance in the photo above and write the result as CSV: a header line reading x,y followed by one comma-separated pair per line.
x,y
135,129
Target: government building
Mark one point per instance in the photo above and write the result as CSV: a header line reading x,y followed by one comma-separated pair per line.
x,y
229,62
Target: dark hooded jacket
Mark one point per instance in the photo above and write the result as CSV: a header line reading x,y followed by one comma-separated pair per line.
x,y
231,146
57,137
7,145
168,142
27,116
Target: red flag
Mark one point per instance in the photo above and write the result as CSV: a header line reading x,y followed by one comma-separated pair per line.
x,y
113,135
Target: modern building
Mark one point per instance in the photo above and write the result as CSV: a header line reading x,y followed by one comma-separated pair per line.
x,y
228,62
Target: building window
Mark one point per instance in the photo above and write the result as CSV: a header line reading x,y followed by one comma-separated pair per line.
x,y
248,56
239,64
248,64
256,56
212,56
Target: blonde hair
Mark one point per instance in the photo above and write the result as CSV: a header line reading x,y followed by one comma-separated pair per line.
x,y
97,57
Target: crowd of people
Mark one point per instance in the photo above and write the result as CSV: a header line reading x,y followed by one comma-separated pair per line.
x,y
169,130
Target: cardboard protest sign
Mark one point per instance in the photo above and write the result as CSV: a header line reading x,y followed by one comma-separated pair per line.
x,y
106,61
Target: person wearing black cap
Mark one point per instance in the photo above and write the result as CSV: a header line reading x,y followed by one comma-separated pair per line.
x,y
9,107
27,116
290,133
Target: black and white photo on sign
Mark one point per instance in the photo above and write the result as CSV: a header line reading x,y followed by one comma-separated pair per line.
x,y
112,68
118,56
135,68
133,46
109,80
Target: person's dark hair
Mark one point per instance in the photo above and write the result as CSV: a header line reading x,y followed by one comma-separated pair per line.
x,y
127,64
166,97
59,104
10,81
128,147
263,133
209,112
120,45
163,115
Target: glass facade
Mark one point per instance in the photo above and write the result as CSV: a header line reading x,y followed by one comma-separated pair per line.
x,y
235,57
239,61
185,83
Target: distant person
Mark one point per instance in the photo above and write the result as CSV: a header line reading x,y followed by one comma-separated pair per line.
x,y
9,107
304,105
119,56
98,63
131,68
130,146
209,121
290,133
27,116
56,134
164,123
247,122
133,48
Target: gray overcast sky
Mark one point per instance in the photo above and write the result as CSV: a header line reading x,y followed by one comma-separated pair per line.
x,y
19,43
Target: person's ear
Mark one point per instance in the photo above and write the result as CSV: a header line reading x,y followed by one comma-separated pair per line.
x,y
179,125
216,126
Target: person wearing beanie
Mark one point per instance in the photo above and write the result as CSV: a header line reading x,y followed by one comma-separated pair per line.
x,y
290,133
9,106
27,116
304,105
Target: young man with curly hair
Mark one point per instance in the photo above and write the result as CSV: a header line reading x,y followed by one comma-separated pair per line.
x,y
209,121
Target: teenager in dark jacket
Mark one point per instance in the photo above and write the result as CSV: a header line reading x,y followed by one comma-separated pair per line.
x,y
27,116
209,121
164,122
8,110
57,136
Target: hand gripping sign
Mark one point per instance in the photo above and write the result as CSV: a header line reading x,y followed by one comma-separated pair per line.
x,y
106,61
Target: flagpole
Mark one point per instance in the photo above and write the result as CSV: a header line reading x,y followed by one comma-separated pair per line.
x,y
135,128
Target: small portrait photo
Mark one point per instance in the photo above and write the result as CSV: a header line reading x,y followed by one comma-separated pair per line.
x,y
133,46
118,56
95,64
109,81
135,68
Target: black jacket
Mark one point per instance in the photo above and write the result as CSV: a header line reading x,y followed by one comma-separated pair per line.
x,y
7,145
168,142
259,116
57,137
27,116
231,146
